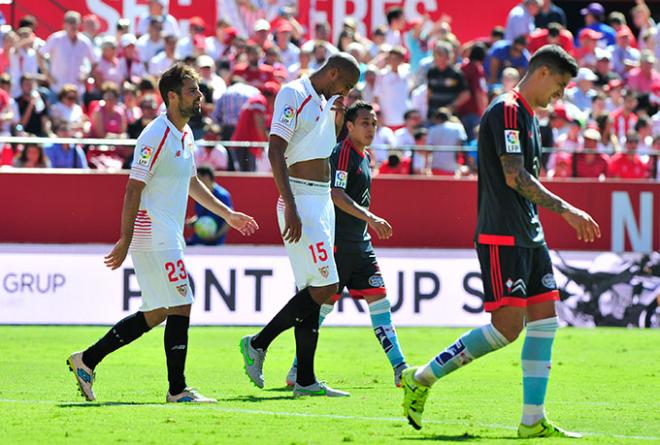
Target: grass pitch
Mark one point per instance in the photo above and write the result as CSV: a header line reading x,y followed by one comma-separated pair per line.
x,y
604,383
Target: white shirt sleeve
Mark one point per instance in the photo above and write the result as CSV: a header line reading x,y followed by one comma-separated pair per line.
x,y
146,153
284,113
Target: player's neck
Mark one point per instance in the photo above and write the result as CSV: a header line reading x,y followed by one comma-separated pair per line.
x,y
526,91
316,82
179,121
358,147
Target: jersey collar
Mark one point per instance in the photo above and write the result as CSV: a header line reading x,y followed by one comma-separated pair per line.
x,y
172,127
348,142
516,94
309,88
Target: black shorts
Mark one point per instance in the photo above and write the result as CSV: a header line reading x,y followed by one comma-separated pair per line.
x,y
516,276
359,272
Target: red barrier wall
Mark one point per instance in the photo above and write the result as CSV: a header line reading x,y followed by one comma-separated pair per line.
x,y
425,212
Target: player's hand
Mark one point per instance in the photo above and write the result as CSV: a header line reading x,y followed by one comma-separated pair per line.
x,y
587,229
243,223
115,258
381,227
338,105
292,225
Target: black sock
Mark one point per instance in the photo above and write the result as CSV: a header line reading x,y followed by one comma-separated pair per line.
x,y
121,334
307,336
295,310
176,347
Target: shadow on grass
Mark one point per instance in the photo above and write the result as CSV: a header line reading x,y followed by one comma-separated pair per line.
x,y
465,437
288,389
254,399
101,404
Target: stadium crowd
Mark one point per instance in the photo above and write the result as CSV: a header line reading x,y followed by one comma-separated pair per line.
x,y
430,89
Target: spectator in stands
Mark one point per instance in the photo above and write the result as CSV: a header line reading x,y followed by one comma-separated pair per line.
x,y
157,9
367,86
505,54
261,34
594,15
644,130
68,110
289,53
625,118
109,119
149,112
603,69
419,100
211,80
641,15
549,13
253,125
396,22
446,83
624,56
107,68
598,106
9,41
22,59
7,106
520,21
448,133
397,163
194,44
65,155
206,176
554,34
510,78
91,28
165,59
562,167
29,21
217,45
228,107
608,141
151,43
70,55
405,135
122,28
320,54
588,162
214,156
32,156
629,164
32,113
321,36
419,161
392,87
132,69
582,94
253,72
272,58
617,21
131,102
585,53
384,139
643,78
475,77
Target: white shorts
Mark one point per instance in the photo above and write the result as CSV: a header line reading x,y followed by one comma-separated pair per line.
x,y
163,279
312,258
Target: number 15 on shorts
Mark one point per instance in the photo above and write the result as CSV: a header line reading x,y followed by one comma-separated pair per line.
x,y
319,253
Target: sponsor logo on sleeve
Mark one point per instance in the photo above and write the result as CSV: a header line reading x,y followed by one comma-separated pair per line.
x,y
145,155
341,178
287,115
512,141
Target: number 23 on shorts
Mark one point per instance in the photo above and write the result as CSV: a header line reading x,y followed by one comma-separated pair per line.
x,y
175,273
319,253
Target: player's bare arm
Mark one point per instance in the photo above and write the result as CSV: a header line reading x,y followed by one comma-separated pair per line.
x,y
129,211
293,225
519,179
340,110
341,199
239,221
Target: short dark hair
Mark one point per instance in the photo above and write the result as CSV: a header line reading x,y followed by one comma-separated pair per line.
x,y
353,110
28,20
520,40
172,79
497,32
443,114
478,52
555,58
642,122
419,133
394,14
204,170
410,112
554,29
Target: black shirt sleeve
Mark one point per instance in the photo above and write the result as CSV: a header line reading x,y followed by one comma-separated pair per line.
x,y
504,124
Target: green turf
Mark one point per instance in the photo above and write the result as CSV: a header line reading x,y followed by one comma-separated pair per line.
x,y
604,383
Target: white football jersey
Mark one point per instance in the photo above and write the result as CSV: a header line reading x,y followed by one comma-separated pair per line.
x,y
303,118
164,160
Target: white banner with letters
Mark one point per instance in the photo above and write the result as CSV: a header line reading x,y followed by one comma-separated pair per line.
x,y
235,285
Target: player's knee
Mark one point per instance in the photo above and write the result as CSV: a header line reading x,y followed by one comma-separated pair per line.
x,y
323,294
510,329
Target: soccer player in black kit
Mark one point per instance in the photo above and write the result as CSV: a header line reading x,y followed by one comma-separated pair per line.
x,y
519,286
355,257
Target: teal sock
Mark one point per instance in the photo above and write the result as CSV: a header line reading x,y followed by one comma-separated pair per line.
x,y
324,312
535,359
381,321
472,345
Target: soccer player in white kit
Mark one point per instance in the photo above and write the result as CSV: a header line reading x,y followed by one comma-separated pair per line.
x,y
307,117
162,177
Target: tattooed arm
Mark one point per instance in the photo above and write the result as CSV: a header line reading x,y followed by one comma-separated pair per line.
x,y
530,188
